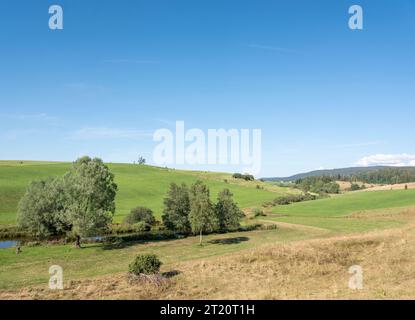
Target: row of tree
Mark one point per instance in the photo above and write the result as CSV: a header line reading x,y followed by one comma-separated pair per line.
x,y
320,184
82,203
191,210
382,176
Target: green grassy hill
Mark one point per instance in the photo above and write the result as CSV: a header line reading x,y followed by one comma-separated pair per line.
x,y
146,185
138,185
342,205
351,212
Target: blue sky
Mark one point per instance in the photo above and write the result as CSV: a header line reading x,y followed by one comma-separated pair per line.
x,y
323,95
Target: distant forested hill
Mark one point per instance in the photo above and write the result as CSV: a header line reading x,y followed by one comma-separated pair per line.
x,y
377,175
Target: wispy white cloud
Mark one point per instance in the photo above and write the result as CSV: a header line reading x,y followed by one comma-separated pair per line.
x,y
272,48
91,133
397,160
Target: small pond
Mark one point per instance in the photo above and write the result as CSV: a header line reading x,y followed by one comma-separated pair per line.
x,y
6,244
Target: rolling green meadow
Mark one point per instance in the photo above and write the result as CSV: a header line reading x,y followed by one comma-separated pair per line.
x,y
338,215
350,212
137,186
342,205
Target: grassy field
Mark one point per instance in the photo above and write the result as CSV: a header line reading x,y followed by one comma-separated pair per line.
x,y
288,263
31,267
138,186
270,263
351,212
345,204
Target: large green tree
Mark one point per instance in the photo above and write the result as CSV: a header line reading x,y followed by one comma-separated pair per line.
x,y
202,215
41,211
82,202
91,197
227,212
176,208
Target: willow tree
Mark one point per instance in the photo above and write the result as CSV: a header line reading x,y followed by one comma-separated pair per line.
x,y
82,202
91,197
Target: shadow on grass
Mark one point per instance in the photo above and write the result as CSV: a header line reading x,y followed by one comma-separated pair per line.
x,y
170,274
119,243
229,240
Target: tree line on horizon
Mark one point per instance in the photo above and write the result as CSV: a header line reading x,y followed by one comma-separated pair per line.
x,y
327,183
381,176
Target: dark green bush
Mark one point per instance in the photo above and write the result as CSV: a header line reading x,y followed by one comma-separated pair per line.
x,y
141,227
321,184
258,212
354,187
121,229
249,227
246,177
140,214
268,204
294,198
12,232
145,264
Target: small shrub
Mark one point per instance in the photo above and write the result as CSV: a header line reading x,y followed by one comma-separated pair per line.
x,y
32,244
141,227
269,227
12,232
354,187
247,177
249,227
294,198
147,264
140,214
258,212
268,204
121,229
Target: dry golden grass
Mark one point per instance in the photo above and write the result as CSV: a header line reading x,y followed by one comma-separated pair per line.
x,y
400,186
311,269
345,185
